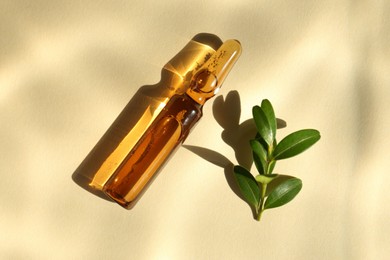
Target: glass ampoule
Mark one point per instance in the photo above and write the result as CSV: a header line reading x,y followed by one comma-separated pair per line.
x,y
170,128
119,140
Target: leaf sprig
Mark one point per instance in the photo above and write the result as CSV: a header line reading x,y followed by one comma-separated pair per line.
x,y
266,151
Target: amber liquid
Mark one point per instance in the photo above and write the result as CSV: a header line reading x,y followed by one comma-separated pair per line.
x,y
170,128
121,137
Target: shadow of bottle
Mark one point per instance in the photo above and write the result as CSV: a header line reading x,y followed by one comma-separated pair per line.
x,y
227,113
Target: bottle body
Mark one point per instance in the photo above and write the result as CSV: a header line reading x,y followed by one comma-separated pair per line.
x,y
137,116
170,128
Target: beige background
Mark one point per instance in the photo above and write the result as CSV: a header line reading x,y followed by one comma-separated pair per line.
x,y
67,68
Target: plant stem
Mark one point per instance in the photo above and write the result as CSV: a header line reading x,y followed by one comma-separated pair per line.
x,y
262,200
269,162
259,215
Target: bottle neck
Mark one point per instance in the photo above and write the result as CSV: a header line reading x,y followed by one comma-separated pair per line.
x,y
204,87
189,59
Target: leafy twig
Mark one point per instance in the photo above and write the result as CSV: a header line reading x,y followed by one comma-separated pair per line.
x,y
266,152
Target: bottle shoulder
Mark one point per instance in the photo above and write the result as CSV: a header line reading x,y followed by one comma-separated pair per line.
x,y
168,86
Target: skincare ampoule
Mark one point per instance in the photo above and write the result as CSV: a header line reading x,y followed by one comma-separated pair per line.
x,y
116,145
170,128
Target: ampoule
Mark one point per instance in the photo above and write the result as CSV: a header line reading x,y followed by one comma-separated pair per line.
x,y
116,144
170,128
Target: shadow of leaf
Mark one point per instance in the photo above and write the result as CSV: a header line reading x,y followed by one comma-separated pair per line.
x,y
219,160
227,113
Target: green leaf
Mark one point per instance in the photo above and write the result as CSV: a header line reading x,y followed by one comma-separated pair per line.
x,y
259,156
248,185
296,143
265,179
270,114
262,125
283,193
258,163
